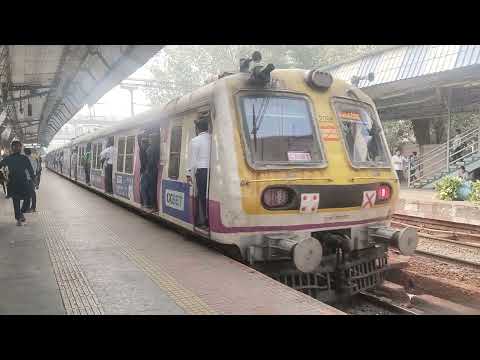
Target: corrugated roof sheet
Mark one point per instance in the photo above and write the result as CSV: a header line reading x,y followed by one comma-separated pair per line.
x,y
408,62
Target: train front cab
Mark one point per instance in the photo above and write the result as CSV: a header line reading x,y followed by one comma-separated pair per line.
x,y
315,190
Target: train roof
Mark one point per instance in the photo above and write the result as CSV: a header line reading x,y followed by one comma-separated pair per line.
x,y
178,105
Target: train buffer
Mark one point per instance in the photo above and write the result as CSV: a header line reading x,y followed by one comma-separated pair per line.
x,y
81,254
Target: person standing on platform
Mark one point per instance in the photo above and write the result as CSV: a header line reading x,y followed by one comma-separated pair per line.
x,y
413,163
18,165
457,145
198,165
30,203
463,173
3,181
39,170
106,157
398,162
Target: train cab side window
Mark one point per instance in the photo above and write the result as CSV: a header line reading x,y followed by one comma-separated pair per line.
x,y
361,131
175,150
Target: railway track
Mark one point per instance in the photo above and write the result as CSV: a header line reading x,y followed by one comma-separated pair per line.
x,y
445,240
387,304
440,228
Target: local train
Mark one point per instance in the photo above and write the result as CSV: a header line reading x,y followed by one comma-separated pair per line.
x,y
300,178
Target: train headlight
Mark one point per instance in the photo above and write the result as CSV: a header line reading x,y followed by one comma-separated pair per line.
x,y
275,198
319,79
384,192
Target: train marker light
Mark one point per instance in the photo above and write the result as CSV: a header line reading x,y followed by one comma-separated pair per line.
x,y
275,197
319,79
384,192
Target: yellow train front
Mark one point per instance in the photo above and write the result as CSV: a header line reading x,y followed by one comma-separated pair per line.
x,y
301,180
300,177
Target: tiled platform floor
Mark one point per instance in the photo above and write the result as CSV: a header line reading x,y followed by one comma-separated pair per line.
x,y
82,254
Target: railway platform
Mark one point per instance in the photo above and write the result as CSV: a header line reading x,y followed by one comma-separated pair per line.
x,y
424,203
83,254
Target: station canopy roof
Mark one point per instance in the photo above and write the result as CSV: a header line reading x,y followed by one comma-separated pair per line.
x,y
417,81
44,86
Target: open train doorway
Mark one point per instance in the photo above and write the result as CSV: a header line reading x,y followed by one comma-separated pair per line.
x,y
150,168
106,157
199,164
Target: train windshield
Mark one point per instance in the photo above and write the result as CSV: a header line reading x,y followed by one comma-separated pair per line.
x,y
279,130
362,133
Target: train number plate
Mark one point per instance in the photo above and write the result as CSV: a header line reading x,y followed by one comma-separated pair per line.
x,y
309,203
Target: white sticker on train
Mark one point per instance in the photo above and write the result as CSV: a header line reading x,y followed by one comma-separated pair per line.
x,y
175,199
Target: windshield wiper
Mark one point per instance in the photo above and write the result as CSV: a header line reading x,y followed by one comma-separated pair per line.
x,y
254,131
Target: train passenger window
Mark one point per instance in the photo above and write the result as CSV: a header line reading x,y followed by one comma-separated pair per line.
x,y
280,130
98,164
361,132
175,149
129,153
120,154
125,153
94,156
96,150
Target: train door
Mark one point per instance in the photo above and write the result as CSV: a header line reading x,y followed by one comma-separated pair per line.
x,y
81,151
74,164
87,162
200,179
150,167
109,162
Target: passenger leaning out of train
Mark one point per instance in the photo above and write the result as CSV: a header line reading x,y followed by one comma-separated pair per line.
x,y
106,158
198,165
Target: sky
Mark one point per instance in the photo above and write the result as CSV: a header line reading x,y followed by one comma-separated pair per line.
x,y
117,101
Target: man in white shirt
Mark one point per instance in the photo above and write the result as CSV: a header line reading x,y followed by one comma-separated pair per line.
x,y
198,165
106,157
398,162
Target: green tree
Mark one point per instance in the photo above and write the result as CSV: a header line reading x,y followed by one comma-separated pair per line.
x,y
398,133
182,69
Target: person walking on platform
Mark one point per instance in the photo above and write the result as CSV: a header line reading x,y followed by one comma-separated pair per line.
x,y
18,165
106,157
30,203
199,163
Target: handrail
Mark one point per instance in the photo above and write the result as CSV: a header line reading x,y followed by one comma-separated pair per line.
x,y
245,182
469,144
467,133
